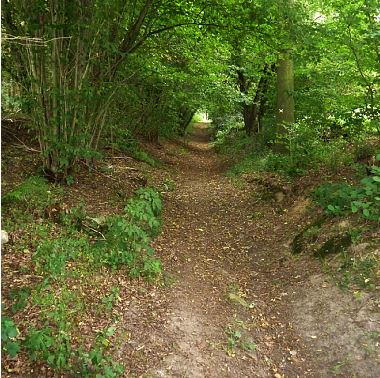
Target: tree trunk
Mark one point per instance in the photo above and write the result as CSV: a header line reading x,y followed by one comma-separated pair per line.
x,y
285,98
252,113
185,115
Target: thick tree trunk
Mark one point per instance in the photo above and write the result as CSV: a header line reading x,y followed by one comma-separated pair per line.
x,y
285,98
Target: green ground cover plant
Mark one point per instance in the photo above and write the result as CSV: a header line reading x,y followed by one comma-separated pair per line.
x,y
344,199
64,251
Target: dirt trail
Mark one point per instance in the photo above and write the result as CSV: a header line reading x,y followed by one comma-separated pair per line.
x,y
238,304
211,245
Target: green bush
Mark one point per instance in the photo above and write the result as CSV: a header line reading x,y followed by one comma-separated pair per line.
x,y
20,298
68,251
366,199
52,256
125,141
342,199
363,150
304,146
96,362
74,218
307,148
231,138
127,236
56,349
52,347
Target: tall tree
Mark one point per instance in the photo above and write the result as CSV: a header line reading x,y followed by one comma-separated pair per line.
x,y
285,77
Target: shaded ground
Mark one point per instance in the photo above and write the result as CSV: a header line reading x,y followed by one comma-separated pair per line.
x,y
229,255
235,302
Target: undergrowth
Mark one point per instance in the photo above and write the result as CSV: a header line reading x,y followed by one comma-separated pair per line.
x,y
360,271
67,255
306,148
343,199
124,141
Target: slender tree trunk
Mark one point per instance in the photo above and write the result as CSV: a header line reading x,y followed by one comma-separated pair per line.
x,y
285,98
186,115
253,112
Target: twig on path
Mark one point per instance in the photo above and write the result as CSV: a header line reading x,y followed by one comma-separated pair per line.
x,y
122,157
94,230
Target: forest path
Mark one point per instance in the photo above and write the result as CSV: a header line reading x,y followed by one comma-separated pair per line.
x,y
241,304
223,316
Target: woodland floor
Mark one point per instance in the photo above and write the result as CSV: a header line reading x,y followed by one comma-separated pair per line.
x,y
236,302
222,243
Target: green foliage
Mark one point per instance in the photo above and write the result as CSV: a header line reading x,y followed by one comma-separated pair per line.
x,y
305,148
127,236
52,255
367,197
74,218
123,140
334,198
53,341
343,199
34,194
10,105
148,77
109,300
357,273
54,348
20,298
248,346
97,362
126,240
363,150
197,118
230,138
168,185
235,339
232,341
153,202
9,332
65,252
144,157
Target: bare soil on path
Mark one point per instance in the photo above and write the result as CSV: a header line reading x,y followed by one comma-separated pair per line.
x,y
241,305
